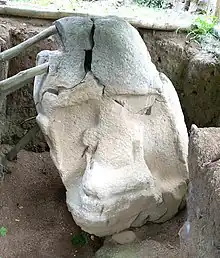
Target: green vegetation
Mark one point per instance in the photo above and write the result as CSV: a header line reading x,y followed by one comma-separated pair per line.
x,y
44,3
160,4
40,2
80,239
3,231
201,27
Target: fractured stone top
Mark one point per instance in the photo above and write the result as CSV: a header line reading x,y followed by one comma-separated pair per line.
x,y
96,46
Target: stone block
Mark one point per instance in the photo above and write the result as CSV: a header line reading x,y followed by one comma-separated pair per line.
x,y
114,126
200,235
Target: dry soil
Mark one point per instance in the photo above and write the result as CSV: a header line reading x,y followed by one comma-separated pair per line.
x,y
33,209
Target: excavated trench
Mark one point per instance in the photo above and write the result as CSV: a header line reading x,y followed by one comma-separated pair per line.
x,y
35,211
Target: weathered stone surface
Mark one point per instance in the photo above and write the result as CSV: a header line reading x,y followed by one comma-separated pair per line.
x,y
200,235
144,249
124,237
114,126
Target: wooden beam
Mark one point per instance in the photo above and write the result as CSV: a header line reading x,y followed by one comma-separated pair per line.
x,y
217,9
16,50
17,81
12,154
146,23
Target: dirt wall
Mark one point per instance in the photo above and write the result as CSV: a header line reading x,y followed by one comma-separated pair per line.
x,y
20,105
200,235
194,73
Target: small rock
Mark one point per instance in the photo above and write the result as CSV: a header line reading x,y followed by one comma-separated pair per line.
x,y
19,206
125,237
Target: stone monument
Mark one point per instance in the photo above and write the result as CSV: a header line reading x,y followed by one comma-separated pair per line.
x,y
114,126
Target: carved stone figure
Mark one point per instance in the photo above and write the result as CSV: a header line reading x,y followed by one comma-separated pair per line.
x,y
114,126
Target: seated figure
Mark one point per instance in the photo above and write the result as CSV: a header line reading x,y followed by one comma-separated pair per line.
x,y
114,126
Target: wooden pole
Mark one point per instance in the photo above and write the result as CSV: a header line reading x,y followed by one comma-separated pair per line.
x,y
17,81
12,154
16,50
136,22
217,9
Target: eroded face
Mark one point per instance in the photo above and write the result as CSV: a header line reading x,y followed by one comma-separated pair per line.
x,y
120,150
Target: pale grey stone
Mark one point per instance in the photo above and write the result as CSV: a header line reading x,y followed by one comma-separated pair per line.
x,y
125,237
114,126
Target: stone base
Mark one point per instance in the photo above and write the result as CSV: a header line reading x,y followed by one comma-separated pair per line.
x,y
143,249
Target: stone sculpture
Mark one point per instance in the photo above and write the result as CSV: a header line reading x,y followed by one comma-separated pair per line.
x,y
114,126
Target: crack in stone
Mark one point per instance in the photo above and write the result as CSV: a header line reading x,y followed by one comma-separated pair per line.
x,y
87,65
166,210
56,92
87,68
119,102
145,111
103,91
84,152
95,149
102,209
160,101
88,53
217,158
59,32
148,111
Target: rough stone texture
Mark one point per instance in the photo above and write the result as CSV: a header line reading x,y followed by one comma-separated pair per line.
x,y
124,237
114,126
200,235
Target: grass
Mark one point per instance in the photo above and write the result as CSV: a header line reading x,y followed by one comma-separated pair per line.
x,y
3,231
80,239
68,4
156,4
201,27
